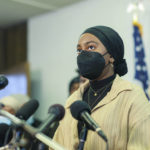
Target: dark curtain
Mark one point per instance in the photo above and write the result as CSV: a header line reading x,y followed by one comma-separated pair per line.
x,y
2,57
13,46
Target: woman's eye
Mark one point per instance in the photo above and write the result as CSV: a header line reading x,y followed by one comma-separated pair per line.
x,y
79,50
91,47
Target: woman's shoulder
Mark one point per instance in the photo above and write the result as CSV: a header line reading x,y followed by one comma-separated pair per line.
x,y
130,90
126,84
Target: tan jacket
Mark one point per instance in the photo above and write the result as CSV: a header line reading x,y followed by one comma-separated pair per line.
x,y
123,115
149,91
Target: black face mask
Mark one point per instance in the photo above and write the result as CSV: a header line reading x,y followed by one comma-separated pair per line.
x,y
90,64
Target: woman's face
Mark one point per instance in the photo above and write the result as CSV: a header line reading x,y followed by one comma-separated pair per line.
x,y
74,87
91,43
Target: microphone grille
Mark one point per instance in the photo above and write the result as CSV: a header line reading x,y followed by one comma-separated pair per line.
x,y
78,107
3,81
27,109
58,110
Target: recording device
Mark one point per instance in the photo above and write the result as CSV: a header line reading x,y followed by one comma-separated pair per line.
x,y
56,113
3,82
27,109
80,110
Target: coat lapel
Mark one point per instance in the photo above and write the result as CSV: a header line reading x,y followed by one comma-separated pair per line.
x,y
118,86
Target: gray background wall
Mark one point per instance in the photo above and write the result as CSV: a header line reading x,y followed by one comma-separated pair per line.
x,y
52,40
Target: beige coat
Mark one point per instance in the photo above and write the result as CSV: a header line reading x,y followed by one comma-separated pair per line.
x,y
149,91
123,115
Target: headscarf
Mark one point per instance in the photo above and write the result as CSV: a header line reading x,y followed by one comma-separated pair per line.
x,y
114,45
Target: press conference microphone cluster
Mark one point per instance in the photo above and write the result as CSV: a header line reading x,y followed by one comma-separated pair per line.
x,y
56,111
81,111
23,113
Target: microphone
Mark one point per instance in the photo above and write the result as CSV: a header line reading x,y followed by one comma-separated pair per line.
x,y
6,134
3,82
80,110
32,131
27,109
24,113
6,131
56,113
1,105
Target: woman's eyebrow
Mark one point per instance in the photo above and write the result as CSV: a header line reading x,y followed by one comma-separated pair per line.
x,y
78,45
92,42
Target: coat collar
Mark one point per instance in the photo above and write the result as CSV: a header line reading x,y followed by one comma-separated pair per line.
x,y
118,86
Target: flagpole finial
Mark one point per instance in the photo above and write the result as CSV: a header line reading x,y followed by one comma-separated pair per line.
x,y
135,17
135,8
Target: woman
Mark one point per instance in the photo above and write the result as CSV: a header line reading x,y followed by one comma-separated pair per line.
x,y
118,106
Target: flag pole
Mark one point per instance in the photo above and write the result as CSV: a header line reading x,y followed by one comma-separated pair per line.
x,y
141,72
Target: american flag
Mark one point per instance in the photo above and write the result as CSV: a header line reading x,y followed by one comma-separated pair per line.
x,y
141,72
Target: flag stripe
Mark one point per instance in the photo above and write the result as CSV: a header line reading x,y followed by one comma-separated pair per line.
x,y
141,72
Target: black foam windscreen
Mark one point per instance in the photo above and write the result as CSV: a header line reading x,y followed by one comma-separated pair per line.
x,y
27,109
6,133
1,105
58,110
3,81
78,107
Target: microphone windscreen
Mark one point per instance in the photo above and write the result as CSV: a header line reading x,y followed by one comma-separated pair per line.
x,y
4,128
58,110
3,81
1,105
78,107
27,109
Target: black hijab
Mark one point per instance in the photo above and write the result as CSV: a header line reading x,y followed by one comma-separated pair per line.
x,y
114,45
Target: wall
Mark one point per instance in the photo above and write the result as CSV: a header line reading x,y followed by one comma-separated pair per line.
x,y
52,40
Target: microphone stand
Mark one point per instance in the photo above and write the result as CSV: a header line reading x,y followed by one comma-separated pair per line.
x,y
83,136
19,133
33,131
